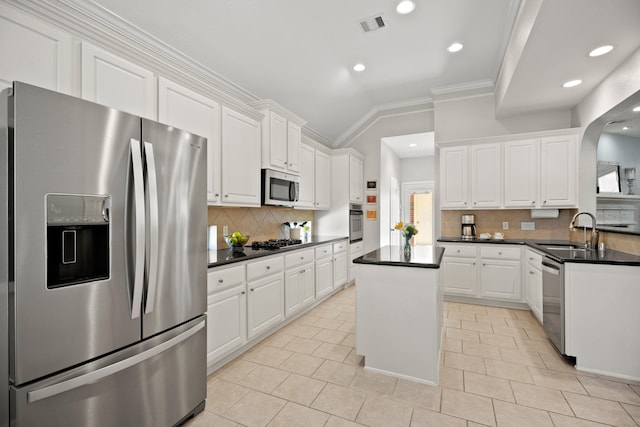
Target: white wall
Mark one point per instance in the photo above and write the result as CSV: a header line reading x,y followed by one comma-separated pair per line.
x,y
418,169
368,143
389,167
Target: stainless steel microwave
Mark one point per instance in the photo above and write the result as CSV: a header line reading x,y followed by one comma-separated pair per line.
x,y
279,188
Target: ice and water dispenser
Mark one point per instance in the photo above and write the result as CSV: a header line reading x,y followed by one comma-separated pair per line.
x,y
77,239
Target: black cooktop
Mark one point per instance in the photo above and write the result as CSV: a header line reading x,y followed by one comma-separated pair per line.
x,y
274,244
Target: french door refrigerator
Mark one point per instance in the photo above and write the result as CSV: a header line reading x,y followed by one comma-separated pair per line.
x,y
103,265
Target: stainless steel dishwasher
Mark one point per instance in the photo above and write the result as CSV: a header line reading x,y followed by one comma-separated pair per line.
x,y
553,302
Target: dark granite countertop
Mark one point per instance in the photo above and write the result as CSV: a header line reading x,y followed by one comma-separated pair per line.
x,y
422,256
226,256
608,256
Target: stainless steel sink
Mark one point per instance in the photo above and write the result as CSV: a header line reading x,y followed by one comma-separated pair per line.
x,y
566,248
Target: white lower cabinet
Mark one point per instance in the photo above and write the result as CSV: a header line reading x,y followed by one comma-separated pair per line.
x,y
483,271
299,289
324,270
356,250
340,265
226,322
265,304
534,283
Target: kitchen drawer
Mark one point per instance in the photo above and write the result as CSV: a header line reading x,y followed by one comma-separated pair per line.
x,y
534,259
500,252
298,258
357,247
222,278
258,269
323,251
463,251
340,247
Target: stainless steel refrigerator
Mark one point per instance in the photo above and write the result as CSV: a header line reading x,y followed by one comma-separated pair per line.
x,y
103,224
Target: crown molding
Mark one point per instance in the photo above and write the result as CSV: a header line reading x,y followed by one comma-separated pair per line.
x,y
463,90
317,137
270,104
91,22
379,112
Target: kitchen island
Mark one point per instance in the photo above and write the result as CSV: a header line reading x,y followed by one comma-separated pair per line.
x,y
399,312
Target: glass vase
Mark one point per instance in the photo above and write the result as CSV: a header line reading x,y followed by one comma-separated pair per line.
x,y
407,249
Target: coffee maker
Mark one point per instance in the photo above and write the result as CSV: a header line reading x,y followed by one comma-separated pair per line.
x,y
468,227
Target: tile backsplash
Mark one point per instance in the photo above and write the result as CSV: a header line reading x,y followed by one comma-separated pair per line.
x,y
621,242
261,223
490,221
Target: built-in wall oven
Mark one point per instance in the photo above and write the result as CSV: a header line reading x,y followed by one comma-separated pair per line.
x,y
356,219
553,302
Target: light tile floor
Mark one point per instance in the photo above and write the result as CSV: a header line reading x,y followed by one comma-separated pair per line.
x,y
497,370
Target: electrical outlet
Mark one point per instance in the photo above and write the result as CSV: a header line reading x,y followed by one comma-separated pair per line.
x,y
225,230
505,225
527,226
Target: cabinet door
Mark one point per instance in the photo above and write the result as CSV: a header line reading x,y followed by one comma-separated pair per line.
x,y
486,175
115,82
454,178
276,140
534,292
292,291
188,110
340,269
226,322
42,57
356,179
294,137
265,304
308,284
307,177
558,173
459,276
500,279
322,180
240,159
521,173
324,276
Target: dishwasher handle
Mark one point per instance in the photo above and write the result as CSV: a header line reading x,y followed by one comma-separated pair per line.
x,y
550,268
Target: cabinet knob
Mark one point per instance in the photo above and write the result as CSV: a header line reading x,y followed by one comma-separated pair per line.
x,y
530,272
545,202
530,258
251,289
465,203
474,263
475,203
217,195
302,271
499,253
301,257
458,251
484,265
226,195
242,293
268,268
220,280
533,202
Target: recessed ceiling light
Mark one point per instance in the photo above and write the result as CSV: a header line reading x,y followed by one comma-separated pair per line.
x,y
636,109
405,7
572,83
359,67
455,47
413,145
626,127
602,50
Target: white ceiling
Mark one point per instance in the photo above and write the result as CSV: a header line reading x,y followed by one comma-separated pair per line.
x,y
300,53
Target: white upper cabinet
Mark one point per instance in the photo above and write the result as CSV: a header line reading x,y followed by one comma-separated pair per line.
x,y
115,82
322,185
281,137
558,173
307,177
454,177
356,179
34,52
294,137
537,170
240,156
521,173
486,175
188,110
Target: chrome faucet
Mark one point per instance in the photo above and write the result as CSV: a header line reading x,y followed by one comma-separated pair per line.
x,y
592,243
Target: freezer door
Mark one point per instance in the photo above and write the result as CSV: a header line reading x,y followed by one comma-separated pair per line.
x,y
176,193
63,145
155,383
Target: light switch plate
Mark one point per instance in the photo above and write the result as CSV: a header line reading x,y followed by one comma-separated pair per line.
x,y
505,225
225,230
527,226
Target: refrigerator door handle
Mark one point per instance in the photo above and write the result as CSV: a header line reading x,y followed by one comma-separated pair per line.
x,y
99,374
138,190
152,188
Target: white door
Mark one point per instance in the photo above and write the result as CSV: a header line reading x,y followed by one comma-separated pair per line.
x,y
417,208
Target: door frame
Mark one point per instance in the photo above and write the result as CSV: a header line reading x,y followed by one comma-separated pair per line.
x,y
413,187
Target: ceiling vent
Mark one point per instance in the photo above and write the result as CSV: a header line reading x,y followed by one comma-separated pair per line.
x,y
372,24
